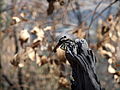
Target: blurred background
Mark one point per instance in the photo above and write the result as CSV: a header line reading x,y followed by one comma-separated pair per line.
x,y
30,29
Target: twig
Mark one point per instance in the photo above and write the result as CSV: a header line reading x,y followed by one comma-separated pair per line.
x,y
7,80
35,44
6,9
92,19
94,14
16,51
105,9
76,14
20,81
16,42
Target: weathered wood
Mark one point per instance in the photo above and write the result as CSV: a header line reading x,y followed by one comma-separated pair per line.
x,y
82,61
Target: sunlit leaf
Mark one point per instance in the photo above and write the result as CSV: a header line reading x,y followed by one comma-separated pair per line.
x,y
110,47
39,33
31,53
16,19
111,69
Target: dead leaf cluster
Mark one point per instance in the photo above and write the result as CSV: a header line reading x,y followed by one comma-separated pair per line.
x,y
108,37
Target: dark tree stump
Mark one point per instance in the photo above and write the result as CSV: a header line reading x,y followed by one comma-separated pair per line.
x,y
82,61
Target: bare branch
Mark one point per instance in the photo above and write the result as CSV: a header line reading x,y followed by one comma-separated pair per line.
x,y
92,19
105,9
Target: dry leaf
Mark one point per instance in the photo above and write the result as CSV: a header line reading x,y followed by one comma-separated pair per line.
x,y
105,29
38,60
16,19
104,52
31,53
118,34
24,36
114,38
22,14
110,34
16,60
39,33
116,77
100,21
35,44
62,2
37,40
19,58
79,33
44,60
48,28
110,47
63,81
110,19
111,69
61,54
21,65
110,60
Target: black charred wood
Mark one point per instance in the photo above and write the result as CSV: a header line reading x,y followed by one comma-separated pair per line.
x,y
82,61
